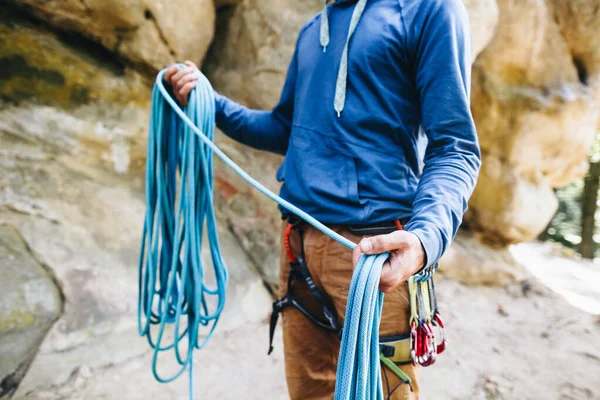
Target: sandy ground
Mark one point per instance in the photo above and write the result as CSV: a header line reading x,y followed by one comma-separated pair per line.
x,y
520,342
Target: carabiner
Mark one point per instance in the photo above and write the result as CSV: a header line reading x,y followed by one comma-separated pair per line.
x,y
439,322
414,342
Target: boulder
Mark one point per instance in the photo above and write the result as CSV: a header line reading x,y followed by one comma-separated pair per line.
x,y
536,106
146,33
30,302
473,262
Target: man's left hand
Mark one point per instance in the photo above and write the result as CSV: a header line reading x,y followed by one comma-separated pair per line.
x,y
406,256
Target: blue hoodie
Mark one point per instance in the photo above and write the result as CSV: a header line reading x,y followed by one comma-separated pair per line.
x,y
400,141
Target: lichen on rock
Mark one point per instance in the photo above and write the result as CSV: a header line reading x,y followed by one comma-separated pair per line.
x,y
147,33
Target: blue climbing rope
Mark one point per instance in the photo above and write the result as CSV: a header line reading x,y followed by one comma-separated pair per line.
x,y
173,290
174,295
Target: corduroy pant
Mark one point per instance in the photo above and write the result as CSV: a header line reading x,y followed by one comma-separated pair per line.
x,y
311,353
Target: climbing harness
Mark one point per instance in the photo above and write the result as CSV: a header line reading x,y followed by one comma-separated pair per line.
x,y
299,273
173,282
393,351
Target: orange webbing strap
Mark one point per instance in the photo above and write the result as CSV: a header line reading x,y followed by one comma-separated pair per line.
x,y
286,242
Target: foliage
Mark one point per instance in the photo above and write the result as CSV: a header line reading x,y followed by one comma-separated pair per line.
x,y
565,227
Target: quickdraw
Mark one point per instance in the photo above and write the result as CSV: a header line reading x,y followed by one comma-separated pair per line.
x,y
424,317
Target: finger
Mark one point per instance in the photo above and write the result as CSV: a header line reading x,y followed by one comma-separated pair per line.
x,y
172,70
391,278
382,243
177,97
185,91
190,64
181,73
387,277
183,81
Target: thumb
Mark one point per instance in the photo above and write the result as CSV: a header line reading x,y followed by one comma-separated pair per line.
x,y
382,243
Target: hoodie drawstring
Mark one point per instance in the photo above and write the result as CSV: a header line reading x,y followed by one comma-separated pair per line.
x,y
340,85
324,37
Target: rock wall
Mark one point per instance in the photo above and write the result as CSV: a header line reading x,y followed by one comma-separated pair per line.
x,y
147,33
536,103
74,93
73,123
265,31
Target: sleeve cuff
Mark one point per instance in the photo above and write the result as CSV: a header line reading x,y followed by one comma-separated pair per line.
x,y
431,242
219,100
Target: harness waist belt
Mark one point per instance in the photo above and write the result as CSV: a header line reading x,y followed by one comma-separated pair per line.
x,y
396,348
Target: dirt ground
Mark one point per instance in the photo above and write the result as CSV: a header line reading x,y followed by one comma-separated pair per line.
x,y
520,342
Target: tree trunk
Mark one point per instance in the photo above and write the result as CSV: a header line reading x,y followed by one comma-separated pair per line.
x,y
588,210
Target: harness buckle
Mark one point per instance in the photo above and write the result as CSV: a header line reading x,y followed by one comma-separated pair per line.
x,y
387,351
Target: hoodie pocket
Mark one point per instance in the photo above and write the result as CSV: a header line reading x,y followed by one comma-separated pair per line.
x,y
319,166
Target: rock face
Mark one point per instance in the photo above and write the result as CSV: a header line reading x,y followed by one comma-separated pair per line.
x,y
536,103
148,33
43,72
483,16
253,47
73,143
471,262
226,3
75,92
248,62
29,304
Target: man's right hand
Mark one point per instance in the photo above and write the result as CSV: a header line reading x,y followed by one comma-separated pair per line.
x,y
182,80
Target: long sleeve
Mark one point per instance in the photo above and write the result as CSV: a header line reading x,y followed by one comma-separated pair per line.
x,y
442,61
263,130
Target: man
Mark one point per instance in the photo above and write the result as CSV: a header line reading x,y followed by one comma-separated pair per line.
x,y
368,80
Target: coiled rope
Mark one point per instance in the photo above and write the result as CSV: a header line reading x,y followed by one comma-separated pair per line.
x,y
173,290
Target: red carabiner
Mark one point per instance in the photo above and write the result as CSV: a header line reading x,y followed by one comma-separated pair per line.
x,y
422,345
430,348
439,322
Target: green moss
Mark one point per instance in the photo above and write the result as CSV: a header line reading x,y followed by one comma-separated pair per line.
x,y
37,65
17,319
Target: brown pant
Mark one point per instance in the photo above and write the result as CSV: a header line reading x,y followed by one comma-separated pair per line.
x,y
311,353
